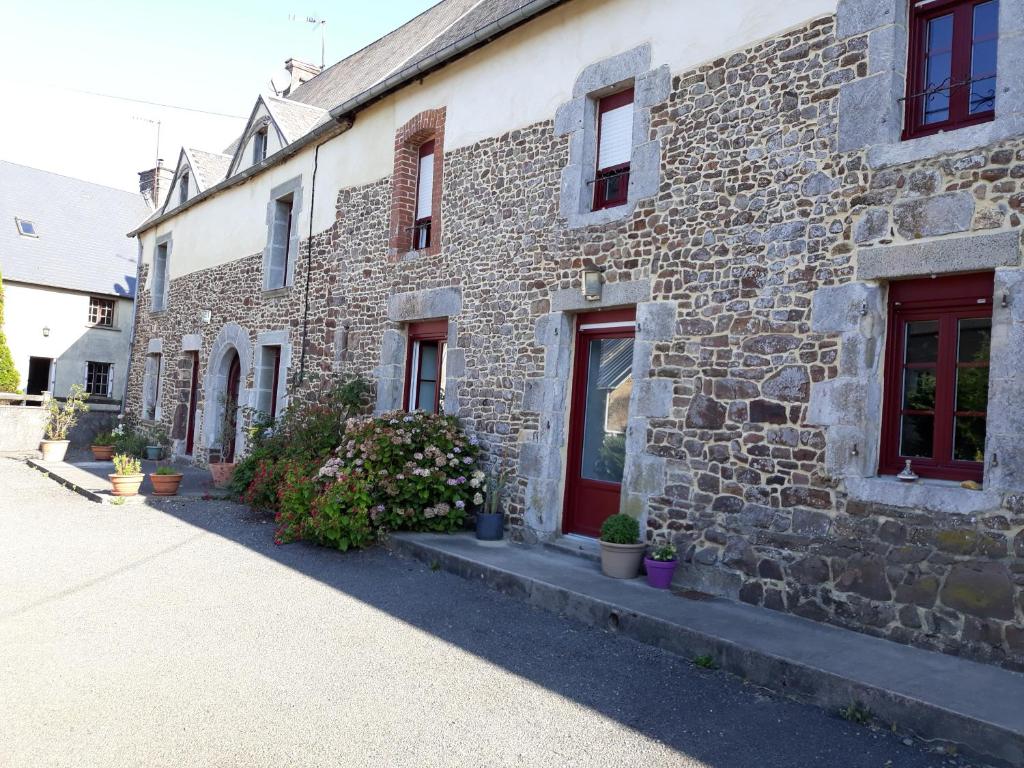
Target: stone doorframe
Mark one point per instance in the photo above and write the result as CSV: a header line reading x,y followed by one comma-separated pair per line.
x,y
411,307
849,406
542,455
232,337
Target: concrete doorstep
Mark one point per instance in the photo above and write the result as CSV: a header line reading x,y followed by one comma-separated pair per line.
x,y
977,708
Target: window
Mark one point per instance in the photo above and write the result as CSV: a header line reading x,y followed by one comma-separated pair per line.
x,y
424,197
278,263
614,149
183,189
951,72
426,366
259,146
25,228
151,387
936,384
269,371
158,298
98,379
101,312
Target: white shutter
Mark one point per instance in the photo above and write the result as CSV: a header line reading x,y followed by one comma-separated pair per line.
x,y
110,380
159,276
616,137
425,191
265,389
279,245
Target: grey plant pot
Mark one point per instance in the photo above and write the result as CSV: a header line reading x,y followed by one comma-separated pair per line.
x,y
490,527
621,561
153,452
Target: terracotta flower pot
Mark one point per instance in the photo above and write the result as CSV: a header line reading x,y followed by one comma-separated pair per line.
x,y
126,485
165,485
54,450
102,452
621,561
222,472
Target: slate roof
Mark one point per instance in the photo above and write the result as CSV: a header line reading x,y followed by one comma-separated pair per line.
x,y
208,167
81,225
294,118
365,68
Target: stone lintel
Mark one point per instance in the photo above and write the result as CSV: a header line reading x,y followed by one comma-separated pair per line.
x,y
424,305
969,253
612,295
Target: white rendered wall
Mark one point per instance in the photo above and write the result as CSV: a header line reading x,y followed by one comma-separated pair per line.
x,y
71,341
515,81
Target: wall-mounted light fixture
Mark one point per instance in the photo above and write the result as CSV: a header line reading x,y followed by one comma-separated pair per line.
x,y
205,316
593,281
46,330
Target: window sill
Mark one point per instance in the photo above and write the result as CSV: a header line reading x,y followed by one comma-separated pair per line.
x,y
158,312
956,140
276,293
93,327
935,495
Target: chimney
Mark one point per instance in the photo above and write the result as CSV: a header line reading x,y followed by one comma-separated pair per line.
x,y
298,73
155,183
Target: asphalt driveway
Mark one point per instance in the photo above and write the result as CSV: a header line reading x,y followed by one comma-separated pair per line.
x,y
177,634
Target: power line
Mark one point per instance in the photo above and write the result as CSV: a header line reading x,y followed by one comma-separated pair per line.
x,y
153,103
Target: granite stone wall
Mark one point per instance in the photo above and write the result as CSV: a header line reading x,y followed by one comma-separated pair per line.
x,y
755,263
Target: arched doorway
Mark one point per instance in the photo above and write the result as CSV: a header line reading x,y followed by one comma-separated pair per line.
x,y
229,426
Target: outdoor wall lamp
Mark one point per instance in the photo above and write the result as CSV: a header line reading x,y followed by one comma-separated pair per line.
x,y
46,330
593,281
205,316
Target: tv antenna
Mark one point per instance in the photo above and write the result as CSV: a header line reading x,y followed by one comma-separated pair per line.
x,y
157,124
316,21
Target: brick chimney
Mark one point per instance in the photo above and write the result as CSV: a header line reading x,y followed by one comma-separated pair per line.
x,y
298,73
155,183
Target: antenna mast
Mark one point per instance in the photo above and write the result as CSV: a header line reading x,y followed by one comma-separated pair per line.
x,y
318,22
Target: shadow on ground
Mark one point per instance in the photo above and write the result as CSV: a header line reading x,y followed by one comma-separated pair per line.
x,y
705,715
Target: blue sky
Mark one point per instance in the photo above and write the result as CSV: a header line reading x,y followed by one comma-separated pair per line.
x,y
215,55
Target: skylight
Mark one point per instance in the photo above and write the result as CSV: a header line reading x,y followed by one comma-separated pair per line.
x,y
26,228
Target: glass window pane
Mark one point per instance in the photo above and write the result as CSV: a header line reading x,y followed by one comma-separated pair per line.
x,y
609,384
425,396
938,69
969,438
972,389
975,338
916,436
983,56
428,360
919,389
922,342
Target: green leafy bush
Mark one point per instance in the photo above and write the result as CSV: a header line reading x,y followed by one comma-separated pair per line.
x,y
166,470
620,529
104,439
64,415
130,439
126,465
664,554
8,373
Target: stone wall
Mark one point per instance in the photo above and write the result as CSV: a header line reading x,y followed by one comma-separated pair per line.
x,y
750,263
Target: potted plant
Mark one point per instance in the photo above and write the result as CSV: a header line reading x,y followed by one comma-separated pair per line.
x,y
102,446
661,566
157,439
61,418
165,481
222,471
490,518
621,550
127,475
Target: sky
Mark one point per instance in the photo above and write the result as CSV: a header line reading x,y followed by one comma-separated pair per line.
x,y
212,55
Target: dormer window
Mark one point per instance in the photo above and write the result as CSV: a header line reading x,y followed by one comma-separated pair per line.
x,y
25,228
183,189
259,146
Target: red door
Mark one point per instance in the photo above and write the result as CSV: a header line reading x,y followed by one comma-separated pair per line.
x,y
602,384
193,401
231,408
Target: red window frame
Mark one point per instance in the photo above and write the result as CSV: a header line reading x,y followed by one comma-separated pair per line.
x,y
427,332
421,226
945,300
960,69
619,174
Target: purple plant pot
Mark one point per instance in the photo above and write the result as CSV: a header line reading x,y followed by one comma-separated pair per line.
x,y
660,572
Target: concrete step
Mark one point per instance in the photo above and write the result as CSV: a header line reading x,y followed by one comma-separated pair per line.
x,y
977,708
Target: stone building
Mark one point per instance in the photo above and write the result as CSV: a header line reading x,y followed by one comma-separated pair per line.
x,y
727,274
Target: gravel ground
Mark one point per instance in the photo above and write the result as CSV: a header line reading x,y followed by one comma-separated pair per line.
x,y
176,634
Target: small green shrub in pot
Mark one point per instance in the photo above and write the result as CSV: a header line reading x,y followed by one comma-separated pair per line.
x,y
127,465
666,553
104,439
621,550
127,477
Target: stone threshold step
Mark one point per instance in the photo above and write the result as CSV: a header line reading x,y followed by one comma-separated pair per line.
x,y
976,707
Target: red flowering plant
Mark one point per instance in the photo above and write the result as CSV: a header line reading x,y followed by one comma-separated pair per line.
x,y
405,471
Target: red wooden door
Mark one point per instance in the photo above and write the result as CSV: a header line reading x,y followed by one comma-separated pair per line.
x,y
599,413
193,401
231,408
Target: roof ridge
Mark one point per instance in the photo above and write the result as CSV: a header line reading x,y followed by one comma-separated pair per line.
x,y
292,102
72,178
